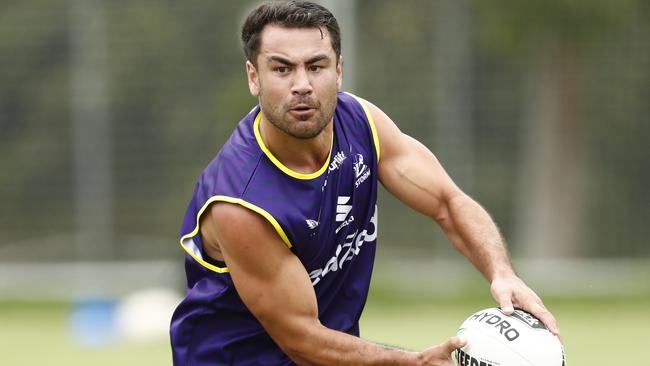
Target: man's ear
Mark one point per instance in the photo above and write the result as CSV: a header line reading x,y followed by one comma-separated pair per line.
x,y
253,79
339,73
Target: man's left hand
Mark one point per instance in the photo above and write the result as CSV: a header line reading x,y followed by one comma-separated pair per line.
x,y
511,292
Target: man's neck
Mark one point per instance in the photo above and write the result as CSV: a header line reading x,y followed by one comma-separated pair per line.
x,y
303,156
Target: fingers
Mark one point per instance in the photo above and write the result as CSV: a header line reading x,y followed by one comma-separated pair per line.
x,y
504,298
541,313
506,306
441,355
515,293
535,306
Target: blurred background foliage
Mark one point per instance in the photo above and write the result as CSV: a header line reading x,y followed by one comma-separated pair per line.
x,y
538,109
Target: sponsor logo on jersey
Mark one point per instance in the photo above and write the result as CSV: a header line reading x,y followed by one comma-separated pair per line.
x,y
464,359
342,212
312,224
361,170
337,161
350,248
342,209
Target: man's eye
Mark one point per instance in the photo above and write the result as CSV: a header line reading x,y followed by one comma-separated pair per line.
x,y
315,68
281,69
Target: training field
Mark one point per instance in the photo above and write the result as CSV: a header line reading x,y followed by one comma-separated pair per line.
x,y
596,331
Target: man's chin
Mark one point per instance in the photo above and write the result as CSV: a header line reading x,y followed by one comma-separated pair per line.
x,y
306,135
306,130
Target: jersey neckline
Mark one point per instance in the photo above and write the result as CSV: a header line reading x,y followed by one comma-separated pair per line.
x,y
278,163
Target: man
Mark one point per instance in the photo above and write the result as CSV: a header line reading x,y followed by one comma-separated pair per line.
x,y
280,233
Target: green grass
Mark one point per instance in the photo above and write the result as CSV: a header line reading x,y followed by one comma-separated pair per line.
x,y
40,334
595,331
601,331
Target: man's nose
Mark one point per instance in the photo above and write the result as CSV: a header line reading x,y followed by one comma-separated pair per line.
x,y
301,83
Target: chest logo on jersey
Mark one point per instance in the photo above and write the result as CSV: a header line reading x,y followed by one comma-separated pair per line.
x,y
337,161
342,212
361,170
312,224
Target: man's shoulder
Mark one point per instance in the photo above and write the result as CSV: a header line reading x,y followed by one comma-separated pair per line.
x,y
352,106
355,114
348,99
241,143
236,160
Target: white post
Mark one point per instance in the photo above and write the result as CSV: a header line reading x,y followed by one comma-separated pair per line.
x,y
91,128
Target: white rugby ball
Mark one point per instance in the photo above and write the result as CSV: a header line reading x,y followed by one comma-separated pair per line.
x,y
496,339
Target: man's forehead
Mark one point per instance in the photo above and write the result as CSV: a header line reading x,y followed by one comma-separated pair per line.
x,y
296,42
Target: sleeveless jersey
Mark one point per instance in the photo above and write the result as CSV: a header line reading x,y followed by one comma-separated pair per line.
x,y
328,219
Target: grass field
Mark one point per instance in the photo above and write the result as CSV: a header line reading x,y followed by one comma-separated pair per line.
x,y
596,331
603,331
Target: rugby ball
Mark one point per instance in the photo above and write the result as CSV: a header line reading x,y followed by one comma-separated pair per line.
x,y
496,339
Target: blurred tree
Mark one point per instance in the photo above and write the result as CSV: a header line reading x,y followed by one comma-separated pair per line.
x,y
35,155
576,72
178,89
552,38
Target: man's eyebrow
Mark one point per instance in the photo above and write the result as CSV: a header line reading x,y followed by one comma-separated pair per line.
x,y
318,58
281,60
288,62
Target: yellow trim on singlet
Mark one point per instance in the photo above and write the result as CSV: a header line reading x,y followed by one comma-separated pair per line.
x,y
371,121
238,201
278,163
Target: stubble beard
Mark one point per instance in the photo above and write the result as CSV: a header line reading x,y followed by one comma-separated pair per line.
x,y
282,119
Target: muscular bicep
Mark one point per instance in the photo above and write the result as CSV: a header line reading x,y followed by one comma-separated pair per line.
x,y
410,171
269,278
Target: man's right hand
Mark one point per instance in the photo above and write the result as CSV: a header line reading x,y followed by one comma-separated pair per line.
x,y
441,355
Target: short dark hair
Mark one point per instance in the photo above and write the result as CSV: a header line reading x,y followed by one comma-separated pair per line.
x,y
290,14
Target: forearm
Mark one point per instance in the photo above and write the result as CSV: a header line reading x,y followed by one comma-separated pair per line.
x,y
318,345
275,287
473,232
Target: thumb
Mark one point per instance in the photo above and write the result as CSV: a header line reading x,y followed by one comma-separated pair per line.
x,y
453,344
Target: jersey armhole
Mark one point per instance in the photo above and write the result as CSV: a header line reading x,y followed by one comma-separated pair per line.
x,y
192,249
371,122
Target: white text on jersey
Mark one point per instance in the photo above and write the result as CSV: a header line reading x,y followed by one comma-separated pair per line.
x,y
345,252
337,160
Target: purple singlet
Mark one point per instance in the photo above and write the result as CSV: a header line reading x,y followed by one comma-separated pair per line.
x,y
328,219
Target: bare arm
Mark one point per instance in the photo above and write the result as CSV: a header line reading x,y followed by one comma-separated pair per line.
x,y
276,288
413,174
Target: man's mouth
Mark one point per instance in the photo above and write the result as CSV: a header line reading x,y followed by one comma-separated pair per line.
x,y
302,111
302,107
